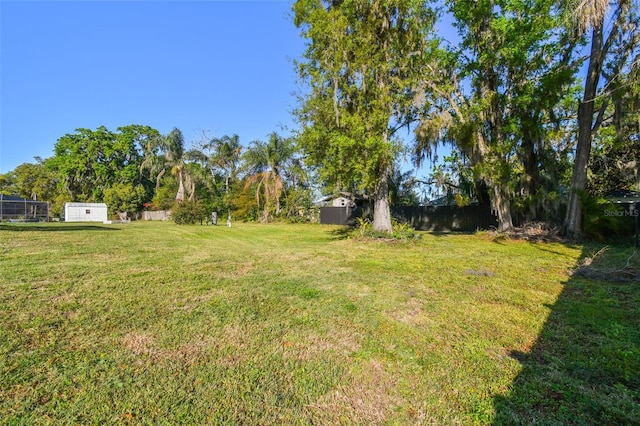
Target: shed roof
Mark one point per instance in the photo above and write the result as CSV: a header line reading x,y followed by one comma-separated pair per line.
x,y
85,205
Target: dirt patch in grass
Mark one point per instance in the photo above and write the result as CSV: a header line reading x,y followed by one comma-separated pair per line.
x,y
410,313
367,399
139,343
244,269
144,344
313,346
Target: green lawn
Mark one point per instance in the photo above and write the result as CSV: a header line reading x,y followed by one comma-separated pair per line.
x,y
154,323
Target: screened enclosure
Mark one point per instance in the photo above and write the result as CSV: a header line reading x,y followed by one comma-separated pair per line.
x,y
22,209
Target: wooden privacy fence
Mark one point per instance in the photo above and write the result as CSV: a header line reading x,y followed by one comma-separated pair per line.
x,y
340,215
446,218
422,218
156,215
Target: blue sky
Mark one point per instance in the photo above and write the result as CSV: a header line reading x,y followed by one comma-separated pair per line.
x,y
220,67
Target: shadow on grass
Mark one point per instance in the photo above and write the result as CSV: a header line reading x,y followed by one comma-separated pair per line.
x,y
341,233
49,228
446,233
584,368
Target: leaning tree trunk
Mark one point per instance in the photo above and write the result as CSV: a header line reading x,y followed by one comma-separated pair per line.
x,y
586,109
381,208
158,179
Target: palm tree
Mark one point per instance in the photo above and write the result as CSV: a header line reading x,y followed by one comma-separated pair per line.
x,y
614,43
226,155
154,160
265,163
168,153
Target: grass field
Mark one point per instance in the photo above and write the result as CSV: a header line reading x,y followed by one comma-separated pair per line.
x,y
154,323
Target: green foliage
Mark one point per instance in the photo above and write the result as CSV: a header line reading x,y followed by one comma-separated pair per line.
x,y
461,200
167,154
603,219
56,206
452,178
88,162
541,206
7,184
267,165
34,180
402,188
224,159
401,231
611,28
189,213
124,198
246,206
298,205
495,97
615,157
363,62
164,197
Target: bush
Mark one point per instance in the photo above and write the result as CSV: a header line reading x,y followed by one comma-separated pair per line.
x,y
603,219
189,213
400,232
124,197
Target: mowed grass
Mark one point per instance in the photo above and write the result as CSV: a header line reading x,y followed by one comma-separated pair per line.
x,y
154,323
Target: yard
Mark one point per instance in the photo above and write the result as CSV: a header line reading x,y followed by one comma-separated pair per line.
x,y
154,323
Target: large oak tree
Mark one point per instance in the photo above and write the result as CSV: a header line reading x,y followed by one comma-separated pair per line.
x,y
364,63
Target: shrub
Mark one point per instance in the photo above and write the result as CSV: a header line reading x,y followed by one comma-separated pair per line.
x,y
603,219
400,232
189,213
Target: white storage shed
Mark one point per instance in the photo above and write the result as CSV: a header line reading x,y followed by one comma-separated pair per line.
x,y
85,212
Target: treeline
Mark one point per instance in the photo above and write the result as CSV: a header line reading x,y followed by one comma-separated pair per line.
x,y
539,100
136,168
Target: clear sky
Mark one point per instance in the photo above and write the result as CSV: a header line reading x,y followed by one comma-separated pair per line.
x,y
220,67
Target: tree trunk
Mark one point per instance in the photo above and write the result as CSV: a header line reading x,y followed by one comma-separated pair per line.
x,y
530,160
180,194
381,208
531,178
586,109
498,191
502,206
158,179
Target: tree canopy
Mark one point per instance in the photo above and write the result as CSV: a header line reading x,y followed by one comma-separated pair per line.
x,y
364,63
539,102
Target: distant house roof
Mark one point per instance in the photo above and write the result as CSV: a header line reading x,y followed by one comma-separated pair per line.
x,y
445,200
348,195
12,198
624,196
